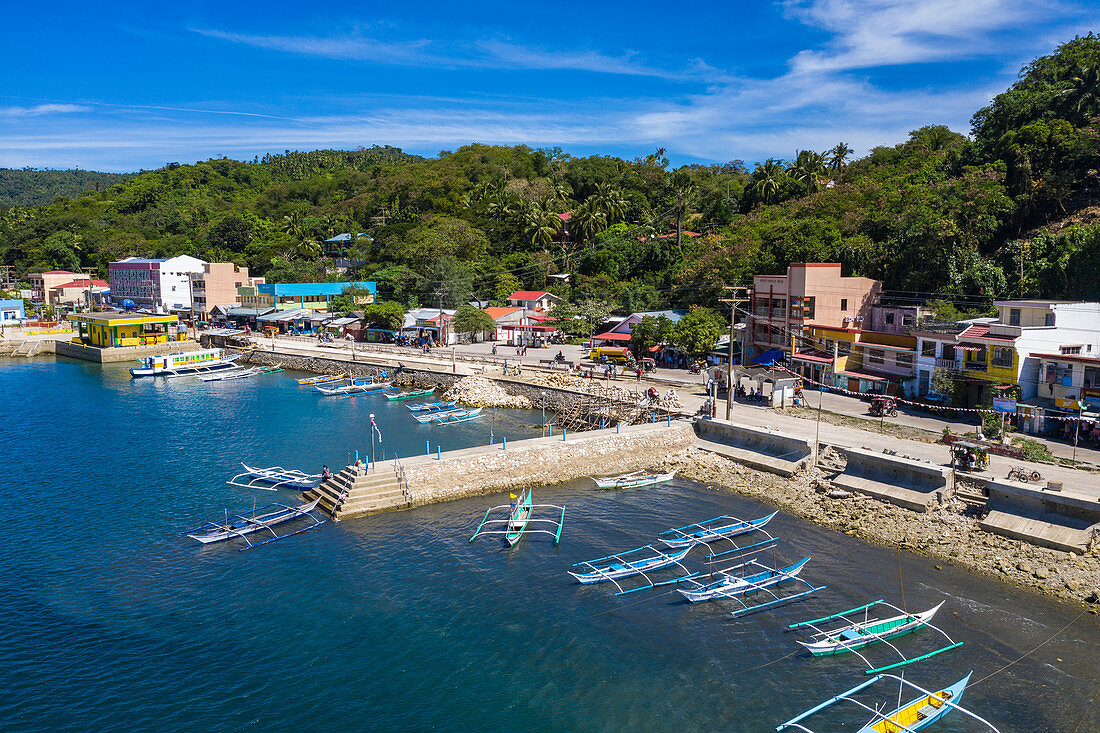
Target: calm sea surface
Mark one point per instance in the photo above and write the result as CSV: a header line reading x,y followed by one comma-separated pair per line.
x,y
113,621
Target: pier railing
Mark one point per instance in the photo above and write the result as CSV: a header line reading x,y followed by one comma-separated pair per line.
x,y
402,483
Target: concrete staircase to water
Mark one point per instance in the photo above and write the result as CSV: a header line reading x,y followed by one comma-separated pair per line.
x,y
368,492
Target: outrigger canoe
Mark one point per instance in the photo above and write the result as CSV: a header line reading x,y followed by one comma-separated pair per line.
x,y
395,396
323,379
633,480
858,635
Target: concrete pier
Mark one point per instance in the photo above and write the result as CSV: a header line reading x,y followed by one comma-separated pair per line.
x,y
419,480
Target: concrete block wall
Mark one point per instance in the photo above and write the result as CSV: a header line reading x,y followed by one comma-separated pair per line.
x,y
544,461
901,481
757,447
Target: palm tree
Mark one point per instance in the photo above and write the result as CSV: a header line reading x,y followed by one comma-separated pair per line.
x,y
807,169
542,225
611,202
1084,95
767,178
589,219
839,155
293,224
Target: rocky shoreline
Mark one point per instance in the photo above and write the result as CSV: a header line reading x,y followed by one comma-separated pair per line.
x,y
950,532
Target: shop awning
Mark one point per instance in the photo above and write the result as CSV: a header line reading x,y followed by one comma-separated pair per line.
x,y
863,375
815,358
768,358
969,347
613,336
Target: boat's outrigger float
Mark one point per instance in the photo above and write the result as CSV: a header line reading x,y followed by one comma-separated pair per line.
x,y
905,718
275,477
857,633
259,520
515,524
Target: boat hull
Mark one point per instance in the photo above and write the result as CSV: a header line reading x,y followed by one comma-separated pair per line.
x,y
920,713
719,533
616,571
735,586
519,519
651,480
254,524
858,636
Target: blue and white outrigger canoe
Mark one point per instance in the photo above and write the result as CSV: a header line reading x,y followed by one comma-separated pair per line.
x,y
914,715
442,406
712,530
733,585
450,416
275,477
260,520
637,562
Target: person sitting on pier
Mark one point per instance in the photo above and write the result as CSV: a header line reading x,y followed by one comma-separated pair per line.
x,y
326,474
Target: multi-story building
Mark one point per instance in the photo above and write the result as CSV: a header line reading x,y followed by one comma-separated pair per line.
x,y
857,360
810,292
219,283
77,292
887,318
991,356
160,284
1070,381
532,300
309,296
43,282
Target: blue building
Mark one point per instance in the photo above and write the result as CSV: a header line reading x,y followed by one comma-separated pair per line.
x,y
311,296
11,312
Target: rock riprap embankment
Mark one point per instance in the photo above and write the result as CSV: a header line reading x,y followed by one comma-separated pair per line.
x,y
666,399
950,531
482,392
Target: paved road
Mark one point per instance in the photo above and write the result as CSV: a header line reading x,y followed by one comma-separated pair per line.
x,y
474,358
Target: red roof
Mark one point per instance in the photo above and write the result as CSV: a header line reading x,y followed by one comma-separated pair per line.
x,y
496,311
981,331
612,336
566,216
1079,358
58,272
84,284
527,295
817,358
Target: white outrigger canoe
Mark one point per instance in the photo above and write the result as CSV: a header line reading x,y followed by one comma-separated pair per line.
x,y
632,480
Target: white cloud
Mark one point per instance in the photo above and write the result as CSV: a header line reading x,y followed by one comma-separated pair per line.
x,y
877,33
493,54
42,109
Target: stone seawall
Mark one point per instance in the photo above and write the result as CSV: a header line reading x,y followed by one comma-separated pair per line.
x,y
546,461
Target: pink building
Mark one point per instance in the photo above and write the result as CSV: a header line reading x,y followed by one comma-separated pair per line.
x,y
810,292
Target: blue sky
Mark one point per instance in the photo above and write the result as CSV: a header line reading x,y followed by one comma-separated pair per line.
x,y
120,86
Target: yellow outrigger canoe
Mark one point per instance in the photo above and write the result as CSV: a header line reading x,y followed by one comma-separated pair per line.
x,y
323,379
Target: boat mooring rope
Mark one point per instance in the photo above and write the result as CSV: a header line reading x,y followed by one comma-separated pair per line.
x,y
1033,650
1087,709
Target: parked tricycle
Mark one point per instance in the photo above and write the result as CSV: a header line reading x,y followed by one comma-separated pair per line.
x,y
969,456
881,406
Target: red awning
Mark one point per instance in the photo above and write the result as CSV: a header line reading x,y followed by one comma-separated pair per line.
x,y
863,375
969,347
613,336
812,357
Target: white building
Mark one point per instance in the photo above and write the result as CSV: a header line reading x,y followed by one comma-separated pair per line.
x,y
995,353
532,300
175,282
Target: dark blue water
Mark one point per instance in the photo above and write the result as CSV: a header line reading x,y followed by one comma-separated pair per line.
x,y
112,621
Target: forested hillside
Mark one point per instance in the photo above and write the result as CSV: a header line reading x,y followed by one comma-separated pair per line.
x,y
939,214
31,187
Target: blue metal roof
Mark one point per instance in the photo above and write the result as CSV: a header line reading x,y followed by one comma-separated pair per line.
x,y
306,289
140,261
346,237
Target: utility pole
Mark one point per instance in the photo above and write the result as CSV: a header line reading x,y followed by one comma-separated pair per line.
x,y
737,295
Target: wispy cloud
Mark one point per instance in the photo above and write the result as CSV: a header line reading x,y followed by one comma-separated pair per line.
x,y
877,33
43,109
492,54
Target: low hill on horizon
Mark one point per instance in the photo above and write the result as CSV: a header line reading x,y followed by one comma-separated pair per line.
x,y
37,186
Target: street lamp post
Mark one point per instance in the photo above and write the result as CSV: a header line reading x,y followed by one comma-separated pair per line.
x,y
372,441
543,431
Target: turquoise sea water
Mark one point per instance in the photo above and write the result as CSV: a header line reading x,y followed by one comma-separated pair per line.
x,y
113,621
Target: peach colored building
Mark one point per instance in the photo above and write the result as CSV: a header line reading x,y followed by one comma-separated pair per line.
x,y
811,292
217,285
43,282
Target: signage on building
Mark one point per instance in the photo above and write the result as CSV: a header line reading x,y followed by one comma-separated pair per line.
x,y
1004,404
1067,403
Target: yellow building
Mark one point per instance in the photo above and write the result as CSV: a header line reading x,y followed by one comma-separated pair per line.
x,y
857,360
125,329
